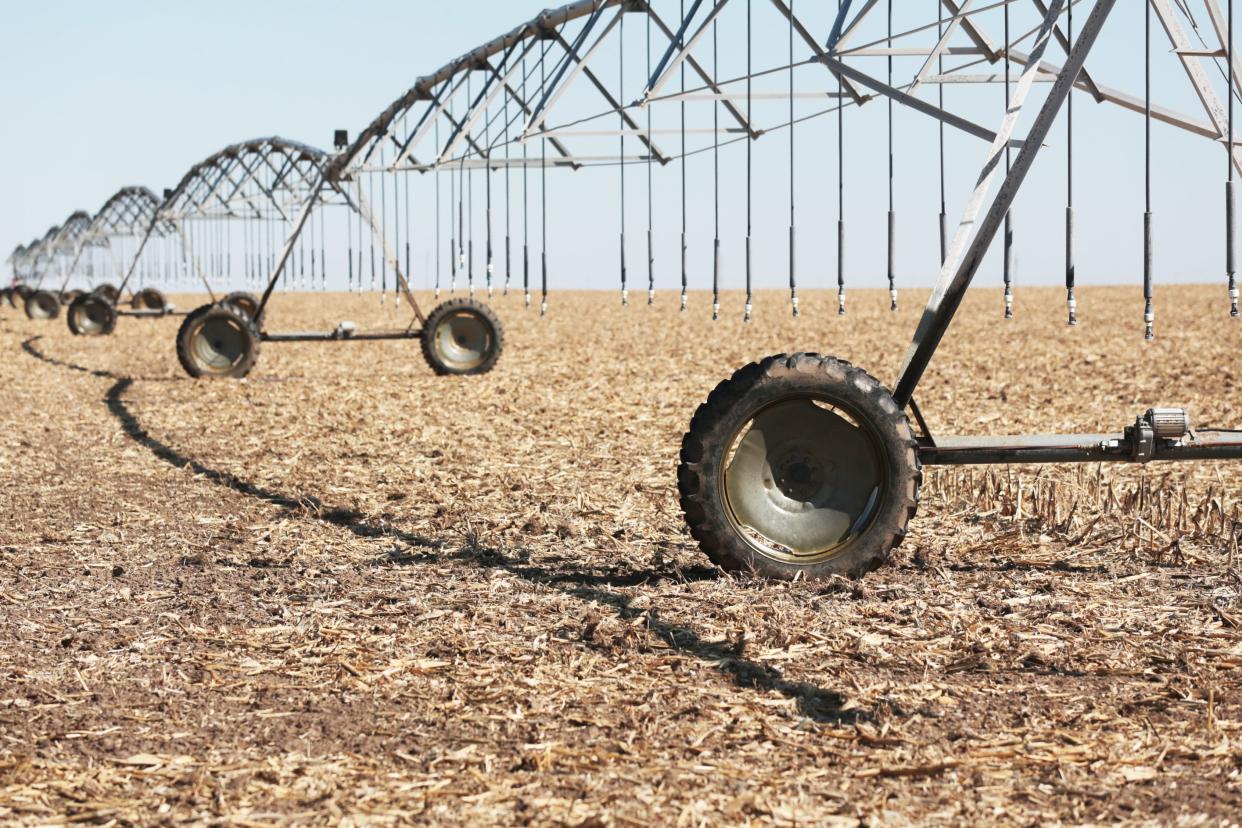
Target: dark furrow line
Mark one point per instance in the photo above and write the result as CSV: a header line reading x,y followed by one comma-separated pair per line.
x,y
814,702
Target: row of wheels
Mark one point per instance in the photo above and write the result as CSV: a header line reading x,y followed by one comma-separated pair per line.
x,y
461,337
797,467
47,304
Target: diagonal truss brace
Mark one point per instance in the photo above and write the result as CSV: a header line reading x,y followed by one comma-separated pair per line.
x,y
962,262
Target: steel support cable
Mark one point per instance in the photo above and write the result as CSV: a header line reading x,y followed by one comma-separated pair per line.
x,y
384,218
302,255
396,234
358,214
716,170
944,219
247,254
349,249
371,209
458,242
1149,313
650,191
508,199
410,224
1008,242
892,215
1230,215
439,215
793,278
543,167
625,294
398,238
750,144
841,190
525,205
487,173
1070,270
469,194
685,279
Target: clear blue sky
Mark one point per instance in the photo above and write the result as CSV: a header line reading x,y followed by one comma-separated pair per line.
x,y
98,95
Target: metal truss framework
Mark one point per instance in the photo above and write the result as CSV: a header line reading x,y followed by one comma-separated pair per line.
x,y
483,109
257,185
496,96
59,247
19,261
127,215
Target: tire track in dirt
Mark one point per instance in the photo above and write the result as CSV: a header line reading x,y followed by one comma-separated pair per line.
x,y
817,703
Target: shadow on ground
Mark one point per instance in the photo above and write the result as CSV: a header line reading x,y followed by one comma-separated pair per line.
x,y
588,585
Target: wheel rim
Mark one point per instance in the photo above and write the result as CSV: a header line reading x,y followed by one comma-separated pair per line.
x,y
44,306
463,340
219,344
244,305
802,478
92,317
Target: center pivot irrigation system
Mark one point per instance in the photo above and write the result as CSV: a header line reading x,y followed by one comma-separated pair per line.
x,y
116,229
799,465
50,256
261,211
82,248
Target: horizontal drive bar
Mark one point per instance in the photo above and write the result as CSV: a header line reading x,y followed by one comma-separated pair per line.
x,y
335,336
1074,448
150,313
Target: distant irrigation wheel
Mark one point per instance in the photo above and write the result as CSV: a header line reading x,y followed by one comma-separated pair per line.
x,y
17,298
108,291
245,303
68,296
91,315
462,337
217,341
42,304
148,299
799,466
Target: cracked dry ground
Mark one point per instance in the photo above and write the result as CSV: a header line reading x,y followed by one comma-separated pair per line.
x,y
345,591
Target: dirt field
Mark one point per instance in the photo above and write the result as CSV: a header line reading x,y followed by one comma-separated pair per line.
x,y
345,591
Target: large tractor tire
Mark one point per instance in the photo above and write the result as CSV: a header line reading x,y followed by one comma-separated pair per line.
x,y
462,337
217,341
108,291
799,466
148,299
245,303
91,315
42,305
